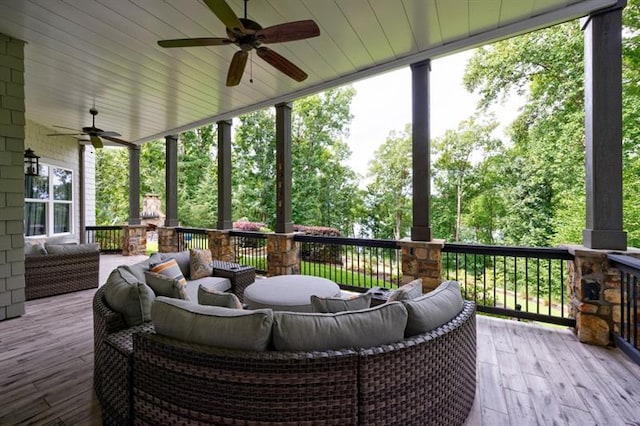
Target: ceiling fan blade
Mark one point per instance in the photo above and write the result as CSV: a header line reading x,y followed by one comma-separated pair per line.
x,y
65,134
281,63
236,68
222,10
103,134
96,141
66,128
290,31
120,141
191,42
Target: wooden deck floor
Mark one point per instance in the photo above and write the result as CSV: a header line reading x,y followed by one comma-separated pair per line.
x,y
527,374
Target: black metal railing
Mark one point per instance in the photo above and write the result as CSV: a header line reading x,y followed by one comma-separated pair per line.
x,y
109,238
196,238
627,334
251,249
518,282
353,263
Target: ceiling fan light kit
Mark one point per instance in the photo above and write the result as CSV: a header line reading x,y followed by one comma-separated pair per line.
x,y
249,35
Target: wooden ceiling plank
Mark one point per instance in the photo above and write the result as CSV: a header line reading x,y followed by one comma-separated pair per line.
x,y
393,23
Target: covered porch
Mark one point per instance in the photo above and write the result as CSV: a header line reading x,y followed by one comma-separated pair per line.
x,y
528,374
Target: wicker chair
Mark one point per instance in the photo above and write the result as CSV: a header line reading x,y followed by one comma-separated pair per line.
x,y
54,274
147,379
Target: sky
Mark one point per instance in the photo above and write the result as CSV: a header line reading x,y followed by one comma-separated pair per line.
x,y
383,104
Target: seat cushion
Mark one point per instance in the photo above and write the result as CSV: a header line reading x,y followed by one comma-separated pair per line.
x,y
338,304
128,296
212,325
433,309
300,331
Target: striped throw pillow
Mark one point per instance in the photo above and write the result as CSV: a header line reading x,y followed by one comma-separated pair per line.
x,y
169,268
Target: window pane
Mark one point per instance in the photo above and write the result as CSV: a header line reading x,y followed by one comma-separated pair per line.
x,y
62,184
37,186
35,215
61,218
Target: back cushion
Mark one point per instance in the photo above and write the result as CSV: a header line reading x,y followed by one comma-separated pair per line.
x,y
407,292
433,309
336,304
183,260
212,325
70,248
128,296
165,286
299,331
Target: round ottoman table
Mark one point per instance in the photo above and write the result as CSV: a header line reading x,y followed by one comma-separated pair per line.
x,y
288,292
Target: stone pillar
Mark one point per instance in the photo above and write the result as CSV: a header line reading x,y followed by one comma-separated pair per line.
x,y
135,240
221,245
12,148
593,288
283,255
167,240
422,259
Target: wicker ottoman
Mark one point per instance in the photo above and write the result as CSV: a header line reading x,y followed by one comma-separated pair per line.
x,y
239,275
289,292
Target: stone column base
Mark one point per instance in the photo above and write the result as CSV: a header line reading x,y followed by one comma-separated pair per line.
x,y
221,245
135,240
167,240
422,259
283,255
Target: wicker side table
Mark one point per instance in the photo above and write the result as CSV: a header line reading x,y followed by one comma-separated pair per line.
x,y
239,275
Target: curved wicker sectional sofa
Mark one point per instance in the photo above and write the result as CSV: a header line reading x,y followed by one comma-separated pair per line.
x,y
144,378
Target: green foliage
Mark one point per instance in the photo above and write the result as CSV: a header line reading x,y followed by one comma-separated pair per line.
x,y
112,183
388,197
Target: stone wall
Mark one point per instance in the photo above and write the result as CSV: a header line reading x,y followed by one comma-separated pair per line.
x,y
594,294
167,240
422,259
12,148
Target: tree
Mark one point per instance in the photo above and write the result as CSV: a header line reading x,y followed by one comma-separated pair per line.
x,y
112,186
455,167
388,196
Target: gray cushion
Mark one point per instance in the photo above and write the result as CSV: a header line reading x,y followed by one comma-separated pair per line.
x,y
214,283
138,269
165,286
338,304
183,260
211,297
299,331
70,248
433,309
407,292
34,248
212,325
128,296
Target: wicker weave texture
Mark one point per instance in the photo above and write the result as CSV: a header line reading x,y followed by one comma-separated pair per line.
x,y
54,274
216,386
239,275
426,380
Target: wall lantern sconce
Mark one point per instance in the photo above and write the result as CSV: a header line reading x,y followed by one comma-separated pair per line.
x,y
31,163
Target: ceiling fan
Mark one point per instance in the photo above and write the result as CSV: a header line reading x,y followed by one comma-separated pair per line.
x,y
94,133
248,35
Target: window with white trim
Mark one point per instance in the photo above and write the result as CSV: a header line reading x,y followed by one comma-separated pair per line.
x,y
48,202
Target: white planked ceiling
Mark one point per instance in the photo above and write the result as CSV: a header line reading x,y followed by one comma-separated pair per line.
x,y
81,52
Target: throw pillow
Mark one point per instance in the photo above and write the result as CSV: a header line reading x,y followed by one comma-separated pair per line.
x,y
300,331
201,263
128,296
182,258
165,286
212,325
328,305
212,297
169,268
407,292
433,309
